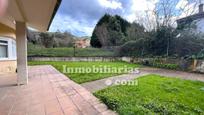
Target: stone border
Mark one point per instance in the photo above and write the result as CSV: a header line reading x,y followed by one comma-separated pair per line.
x,y
190,65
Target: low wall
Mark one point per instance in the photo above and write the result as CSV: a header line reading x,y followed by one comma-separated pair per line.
x,y
190,65
199,66
8,66
74,58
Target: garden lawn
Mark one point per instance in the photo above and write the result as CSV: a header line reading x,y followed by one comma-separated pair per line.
x,y
156,95
86,77
36,50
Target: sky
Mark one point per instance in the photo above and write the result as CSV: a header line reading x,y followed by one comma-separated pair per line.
x,y
79,17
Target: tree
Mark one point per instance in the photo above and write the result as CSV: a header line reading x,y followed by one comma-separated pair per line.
x,y
95,41
133,48
110,31
162,35
135,32
50,39
166,12
123,23
188,43
160,41
104,19
47,39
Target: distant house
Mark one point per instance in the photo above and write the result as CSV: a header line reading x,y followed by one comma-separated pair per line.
x,y
82,43
195,21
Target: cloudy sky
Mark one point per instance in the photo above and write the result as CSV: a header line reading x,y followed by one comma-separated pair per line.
x,y
79,17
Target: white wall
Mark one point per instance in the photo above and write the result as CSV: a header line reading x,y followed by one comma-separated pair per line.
x,y
200,25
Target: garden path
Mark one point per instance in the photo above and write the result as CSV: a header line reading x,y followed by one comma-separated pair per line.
x,y
104,83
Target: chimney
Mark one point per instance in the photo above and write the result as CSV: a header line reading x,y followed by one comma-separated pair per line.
x,y
201,8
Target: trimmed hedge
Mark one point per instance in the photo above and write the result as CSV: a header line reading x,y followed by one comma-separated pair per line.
x,y
166,66
161,65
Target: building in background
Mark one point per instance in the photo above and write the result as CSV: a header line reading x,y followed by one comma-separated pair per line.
x,y
82,43
196,21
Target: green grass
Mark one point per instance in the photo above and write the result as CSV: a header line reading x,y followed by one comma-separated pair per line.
x,y
86,77
156,95
34,50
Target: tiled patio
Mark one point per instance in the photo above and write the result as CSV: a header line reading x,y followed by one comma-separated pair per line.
x,y
48,93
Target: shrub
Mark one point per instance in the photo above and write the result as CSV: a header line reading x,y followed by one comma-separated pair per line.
x,y
47,39
166,66
201,54
132,48
160,65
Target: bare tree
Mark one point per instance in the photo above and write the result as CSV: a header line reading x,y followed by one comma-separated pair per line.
x,y
190,7
166,13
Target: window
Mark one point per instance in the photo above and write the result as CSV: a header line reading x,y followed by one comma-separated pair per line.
x,y
13,49
3,49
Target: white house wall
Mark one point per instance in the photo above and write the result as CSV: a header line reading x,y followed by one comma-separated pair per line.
x,y
9,65
11,49
200,25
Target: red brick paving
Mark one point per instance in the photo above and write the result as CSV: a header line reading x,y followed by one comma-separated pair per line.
x,y
48,93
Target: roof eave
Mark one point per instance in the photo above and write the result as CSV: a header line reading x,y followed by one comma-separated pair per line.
x,y
192,17
54,13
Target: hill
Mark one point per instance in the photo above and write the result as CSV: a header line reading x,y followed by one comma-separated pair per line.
x,y
51,39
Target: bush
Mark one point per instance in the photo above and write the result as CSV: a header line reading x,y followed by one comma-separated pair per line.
x,y
47,39
166,66
201,54
188,43
50,39
158,64
132,48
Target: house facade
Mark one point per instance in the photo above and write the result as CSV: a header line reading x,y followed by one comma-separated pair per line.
x,y
196,21
20,15
8,62
7,55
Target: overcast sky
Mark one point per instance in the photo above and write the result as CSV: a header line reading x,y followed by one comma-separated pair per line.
x,y
79,17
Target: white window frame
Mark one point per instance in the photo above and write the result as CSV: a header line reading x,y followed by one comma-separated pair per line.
x,y
9,48
5,44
